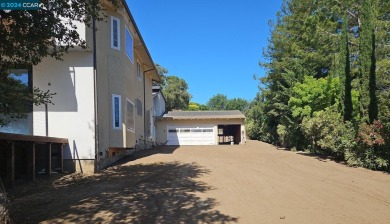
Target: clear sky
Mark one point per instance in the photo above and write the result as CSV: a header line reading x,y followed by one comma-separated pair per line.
x,y
215,45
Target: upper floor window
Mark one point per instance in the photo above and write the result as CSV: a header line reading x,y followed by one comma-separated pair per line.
x,y
139,71
129,45
130,120
115,33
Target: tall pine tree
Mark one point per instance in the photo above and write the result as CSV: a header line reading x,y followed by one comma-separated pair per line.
x,y
368,101
347,79
373,107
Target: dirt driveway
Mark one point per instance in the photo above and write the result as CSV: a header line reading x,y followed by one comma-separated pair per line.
x,y
254,183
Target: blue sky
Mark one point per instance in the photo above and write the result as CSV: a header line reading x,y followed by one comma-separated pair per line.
x,y
215,45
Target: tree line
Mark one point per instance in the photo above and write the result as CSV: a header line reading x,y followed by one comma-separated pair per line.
x,y
177,97
327,85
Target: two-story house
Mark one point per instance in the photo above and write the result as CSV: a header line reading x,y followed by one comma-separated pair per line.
x,y
103,103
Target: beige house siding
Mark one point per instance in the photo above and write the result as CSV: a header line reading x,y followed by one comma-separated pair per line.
x,y
116,75
149,107
163,124
138,88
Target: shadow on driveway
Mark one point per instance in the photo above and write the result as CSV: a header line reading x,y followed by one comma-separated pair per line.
x,y
146,193
145,153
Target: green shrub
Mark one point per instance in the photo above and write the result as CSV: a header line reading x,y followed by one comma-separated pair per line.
x,y
290,135
328,134
370,151
252,130
282,133
255,124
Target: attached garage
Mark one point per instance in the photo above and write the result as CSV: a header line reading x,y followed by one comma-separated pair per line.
x,y
201,128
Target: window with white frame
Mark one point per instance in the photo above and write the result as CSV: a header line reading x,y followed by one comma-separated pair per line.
x,y
23,81
115,33
139,71
129,45
116,112
130,119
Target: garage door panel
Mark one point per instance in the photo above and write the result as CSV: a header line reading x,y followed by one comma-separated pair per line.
x,y
191,135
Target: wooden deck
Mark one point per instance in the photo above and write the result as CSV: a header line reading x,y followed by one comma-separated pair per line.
x,y
27,159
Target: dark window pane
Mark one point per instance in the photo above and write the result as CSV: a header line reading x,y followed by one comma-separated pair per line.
x,y
129,45
115,32
116,112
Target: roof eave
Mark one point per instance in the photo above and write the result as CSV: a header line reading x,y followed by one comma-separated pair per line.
x,y
153,73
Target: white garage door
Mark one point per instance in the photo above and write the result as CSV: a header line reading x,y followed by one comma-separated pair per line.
x,y
190,135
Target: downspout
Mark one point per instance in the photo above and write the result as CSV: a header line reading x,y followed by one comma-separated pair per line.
x,y
95,92
145,105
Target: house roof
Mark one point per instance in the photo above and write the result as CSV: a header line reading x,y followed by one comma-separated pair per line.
x,y
156,88
193,115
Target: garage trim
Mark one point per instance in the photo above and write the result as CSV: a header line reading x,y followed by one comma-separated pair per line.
x,y
190,128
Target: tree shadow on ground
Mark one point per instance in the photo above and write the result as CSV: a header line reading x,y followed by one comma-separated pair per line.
x,y
321,157
146,193
144,153
327,158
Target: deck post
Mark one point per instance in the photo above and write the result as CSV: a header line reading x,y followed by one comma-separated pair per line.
x,y
48,159
62,158
11,165
31,162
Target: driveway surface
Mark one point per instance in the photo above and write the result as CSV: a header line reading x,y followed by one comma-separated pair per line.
x,y
252,183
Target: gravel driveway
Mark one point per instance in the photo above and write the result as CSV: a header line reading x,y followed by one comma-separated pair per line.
x,y
252,183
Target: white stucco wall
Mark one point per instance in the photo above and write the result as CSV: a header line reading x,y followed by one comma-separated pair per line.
x,y
72,115
81,29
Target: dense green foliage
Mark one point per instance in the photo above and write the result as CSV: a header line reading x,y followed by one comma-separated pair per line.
x,y
367,63
176,93
162,72
221,102
217,102
327,87
237,104
371,150
327,134
197,106
346,77
312,95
